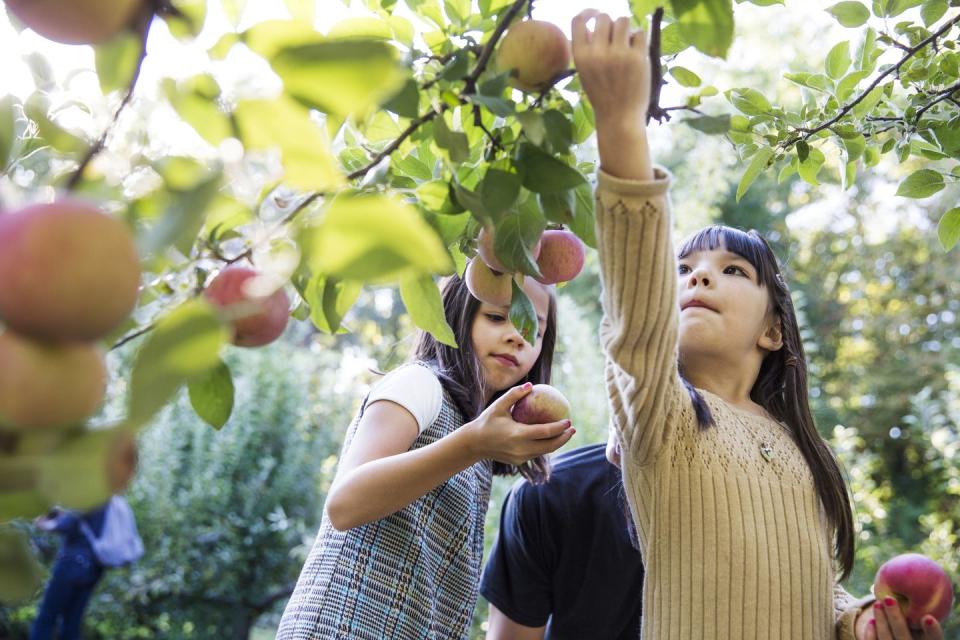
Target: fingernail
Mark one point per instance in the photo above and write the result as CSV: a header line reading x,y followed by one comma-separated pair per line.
x,y
878,606
889,601
928,621
568,422
873,623
527,385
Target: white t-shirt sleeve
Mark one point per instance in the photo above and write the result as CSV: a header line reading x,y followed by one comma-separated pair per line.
x,y
415,388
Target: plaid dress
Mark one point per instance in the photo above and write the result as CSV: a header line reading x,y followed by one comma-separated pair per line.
x,y
412,575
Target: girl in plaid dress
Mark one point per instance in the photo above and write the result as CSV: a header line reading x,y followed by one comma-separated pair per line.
x,y
399,548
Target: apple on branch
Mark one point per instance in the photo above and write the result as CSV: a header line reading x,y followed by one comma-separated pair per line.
x,y
536,51
75,21
918,584
488,285
257,312
562,255
68,271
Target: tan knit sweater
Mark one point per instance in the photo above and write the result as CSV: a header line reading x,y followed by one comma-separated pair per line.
x,y
735,541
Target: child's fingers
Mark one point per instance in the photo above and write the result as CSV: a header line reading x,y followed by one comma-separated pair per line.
x,y
871,633
578,27
880,622
895,620
621,32
602,30
638,40
510,398
932,629
545,431
549,445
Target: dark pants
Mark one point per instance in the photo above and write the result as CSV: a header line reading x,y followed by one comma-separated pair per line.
x,y
74,577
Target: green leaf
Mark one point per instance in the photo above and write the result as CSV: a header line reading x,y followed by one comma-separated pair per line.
x,y
850,14
330,299
187,21
497,106
855,146
759,163
515,235
499,190
411,165
559,131
211,395
455,143
706,24
713,125
640,9
583,215
533,125
421,297
557,207
8,130
685,77
195,102
810,167
37,108
932,10
374,238
846,86
361,27
749,101
184,343
838,60
341,77
866,105
583,121
191,187
921,184
849,175
542,173
116,60
405,102
21,575
948,230
523,315
284,124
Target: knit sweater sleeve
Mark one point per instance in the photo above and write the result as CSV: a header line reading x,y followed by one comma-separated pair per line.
x,y
638,332
846,609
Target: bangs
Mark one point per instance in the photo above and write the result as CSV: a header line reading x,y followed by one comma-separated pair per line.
x,y
749,245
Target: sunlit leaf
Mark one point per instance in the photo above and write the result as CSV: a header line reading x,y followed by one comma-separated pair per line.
x,y
421,297
211,395
921,184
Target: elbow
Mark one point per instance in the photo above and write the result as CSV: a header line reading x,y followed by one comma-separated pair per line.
x,y
340,511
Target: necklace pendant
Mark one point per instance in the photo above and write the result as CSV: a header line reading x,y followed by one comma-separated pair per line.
x,y
766,452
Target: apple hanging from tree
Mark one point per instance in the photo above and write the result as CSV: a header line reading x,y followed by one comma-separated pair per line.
x,y
257,317
487,285
543,404
562,255
919,584
67,271
75,21
45,385
536,51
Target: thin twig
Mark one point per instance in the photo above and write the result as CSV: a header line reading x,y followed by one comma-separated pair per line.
x,y
895,68
132,336
146,21
947,94
656,69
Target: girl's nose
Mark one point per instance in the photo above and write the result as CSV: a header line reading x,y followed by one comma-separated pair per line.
x,y
699,277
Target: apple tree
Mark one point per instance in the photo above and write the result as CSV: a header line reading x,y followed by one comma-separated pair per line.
x,y
290,168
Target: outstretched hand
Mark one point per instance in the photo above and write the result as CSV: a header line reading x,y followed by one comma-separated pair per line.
x,y
499,437
613,64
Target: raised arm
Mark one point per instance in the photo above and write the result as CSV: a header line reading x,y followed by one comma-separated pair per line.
x,y
638,268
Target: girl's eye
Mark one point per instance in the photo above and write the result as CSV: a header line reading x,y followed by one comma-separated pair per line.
x,y
495,317
735,269
683,269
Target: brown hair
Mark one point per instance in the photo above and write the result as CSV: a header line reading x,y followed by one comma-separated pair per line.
x,y
781,385
459,370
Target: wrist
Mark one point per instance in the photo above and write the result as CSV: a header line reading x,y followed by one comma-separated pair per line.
x,y
471,441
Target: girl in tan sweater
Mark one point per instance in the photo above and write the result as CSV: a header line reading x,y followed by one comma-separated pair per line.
x,y
742,513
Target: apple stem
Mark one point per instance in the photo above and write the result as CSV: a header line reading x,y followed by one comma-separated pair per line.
x,y
145,19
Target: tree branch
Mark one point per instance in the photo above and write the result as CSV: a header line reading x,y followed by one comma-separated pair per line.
x,y
946,94
144,27
656,69
895,68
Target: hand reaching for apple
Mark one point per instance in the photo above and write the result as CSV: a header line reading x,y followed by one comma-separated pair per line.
x,y
914,595
499,435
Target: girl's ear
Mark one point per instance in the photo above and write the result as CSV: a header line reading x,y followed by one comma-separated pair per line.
x,y
772,338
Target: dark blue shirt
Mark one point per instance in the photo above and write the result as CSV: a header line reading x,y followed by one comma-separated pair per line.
x,y
565,556
67,524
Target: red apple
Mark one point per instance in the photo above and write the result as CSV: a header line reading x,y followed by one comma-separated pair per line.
x,y
48,385
543,404
75,21
488,286
919,584
486,252
561,256
257,318
67,271
537,51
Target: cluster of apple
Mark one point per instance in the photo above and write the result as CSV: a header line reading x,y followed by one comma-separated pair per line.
x,y
559,255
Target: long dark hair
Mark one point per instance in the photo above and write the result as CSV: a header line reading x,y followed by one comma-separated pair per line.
x,y
459,369
781,385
